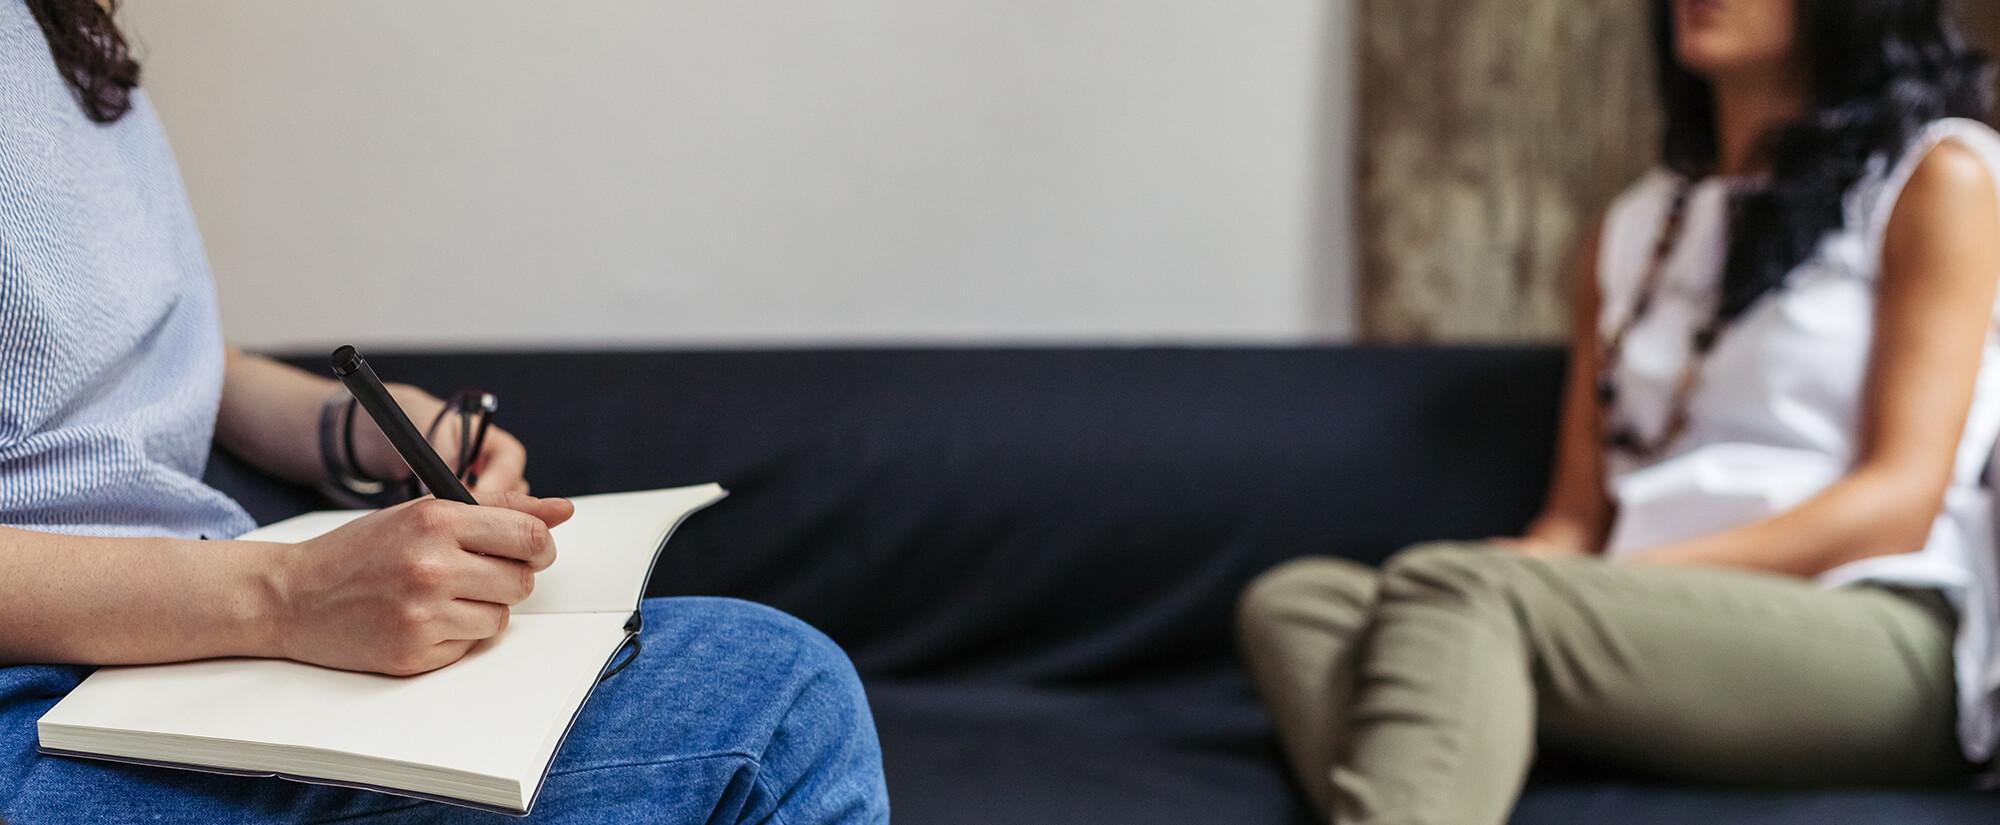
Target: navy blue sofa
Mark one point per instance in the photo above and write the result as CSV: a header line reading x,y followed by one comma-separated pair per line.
x,y
1033,555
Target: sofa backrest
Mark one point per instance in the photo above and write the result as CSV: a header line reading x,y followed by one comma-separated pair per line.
x,y
1054,516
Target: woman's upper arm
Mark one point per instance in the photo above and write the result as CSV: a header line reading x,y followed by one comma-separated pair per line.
x,y
1577,496
1940,266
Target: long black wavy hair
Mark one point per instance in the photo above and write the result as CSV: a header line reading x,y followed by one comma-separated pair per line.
x,y
90,53
1881,70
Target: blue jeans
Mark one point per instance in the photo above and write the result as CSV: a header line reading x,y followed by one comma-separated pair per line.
x,y
733,713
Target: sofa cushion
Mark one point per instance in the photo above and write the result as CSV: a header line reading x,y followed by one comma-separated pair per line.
x,y
1056,517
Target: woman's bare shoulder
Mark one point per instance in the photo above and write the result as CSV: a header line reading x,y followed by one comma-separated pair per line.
x,y
1951,176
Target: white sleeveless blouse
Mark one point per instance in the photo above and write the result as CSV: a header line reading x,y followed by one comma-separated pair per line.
x,y
1775,417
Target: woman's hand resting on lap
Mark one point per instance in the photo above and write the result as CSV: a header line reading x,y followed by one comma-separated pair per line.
x,y
1550,537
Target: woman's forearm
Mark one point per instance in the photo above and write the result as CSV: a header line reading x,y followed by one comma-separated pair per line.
x,y
1865,514
92,600
1577,513
402,590
270,416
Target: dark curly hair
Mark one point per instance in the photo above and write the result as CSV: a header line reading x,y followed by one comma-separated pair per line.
x,y
90,53
1881,70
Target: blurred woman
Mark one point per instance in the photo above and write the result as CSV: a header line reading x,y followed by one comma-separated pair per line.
x,y
1767,557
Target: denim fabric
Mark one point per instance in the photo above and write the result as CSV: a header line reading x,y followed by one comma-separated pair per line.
x,y
733,713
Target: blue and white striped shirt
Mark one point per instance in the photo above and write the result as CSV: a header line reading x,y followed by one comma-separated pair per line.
x,y
110,348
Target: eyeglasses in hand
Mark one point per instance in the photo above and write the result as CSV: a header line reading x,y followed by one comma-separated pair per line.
x,y
461,428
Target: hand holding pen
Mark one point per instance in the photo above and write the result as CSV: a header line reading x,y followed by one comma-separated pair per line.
x,y
412,587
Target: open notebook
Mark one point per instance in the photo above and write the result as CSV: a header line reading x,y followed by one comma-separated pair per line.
x,y
480,732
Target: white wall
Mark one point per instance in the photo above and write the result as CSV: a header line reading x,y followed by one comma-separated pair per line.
x,y
721,172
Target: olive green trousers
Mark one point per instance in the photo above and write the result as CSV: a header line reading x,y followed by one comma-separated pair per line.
x,y
1417,694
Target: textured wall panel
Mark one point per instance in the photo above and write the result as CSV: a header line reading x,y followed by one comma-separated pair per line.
x,y
1492,131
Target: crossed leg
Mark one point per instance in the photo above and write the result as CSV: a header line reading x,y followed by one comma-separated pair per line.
x,y
1417,694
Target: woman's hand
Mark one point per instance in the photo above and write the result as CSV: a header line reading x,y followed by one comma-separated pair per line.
x,y
411,588
1551,536
1538,548
499,467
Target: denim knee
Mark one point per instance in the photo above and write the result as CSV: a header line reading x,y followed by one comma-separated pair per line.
x,y
740,635
785,697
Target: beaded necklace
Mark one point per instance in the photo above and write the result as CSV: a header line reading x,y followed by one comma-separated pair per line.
x,y
1624,435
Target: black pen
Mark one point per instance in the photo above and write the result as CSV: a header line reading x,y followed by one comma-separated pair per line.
x,y
416,452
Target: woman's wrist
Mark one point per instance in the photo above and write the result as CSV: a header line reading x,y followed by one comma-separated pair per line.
x,y
337,421
240,611
261,613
